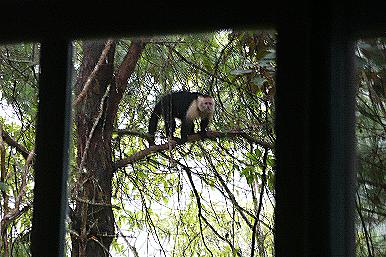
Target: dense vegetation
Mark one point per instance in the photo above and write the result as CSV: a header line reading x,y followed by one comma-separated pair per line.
x,y
207,197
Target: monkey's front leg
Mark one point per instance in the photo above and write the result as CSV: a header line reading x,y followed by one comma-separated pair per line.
x,y
203,125
187,128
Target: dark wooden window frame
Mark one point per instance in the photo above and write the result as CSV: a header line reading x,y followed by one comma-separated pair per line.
x,y
315,100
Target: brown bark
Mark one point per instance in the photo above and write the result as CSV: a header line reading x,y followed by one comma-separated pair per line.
x,y
93,220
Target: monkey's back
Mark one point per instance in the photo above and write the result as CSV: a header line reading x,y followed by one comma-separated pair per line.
x,y
177,103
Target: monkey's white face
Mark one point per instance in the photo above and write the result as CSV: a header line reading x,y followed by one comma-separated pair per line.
x,y
206,104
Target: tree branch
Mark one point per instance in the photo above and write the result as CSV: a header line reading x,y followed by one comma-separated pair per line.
x,y
213,75
200,216
199,206
211,135
128,64
88,142
13,143
122,75
263,181
123,132
231,196
93,74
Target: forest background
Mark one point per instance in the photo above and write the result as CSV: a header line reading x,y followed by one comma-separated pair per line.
x,y
207,197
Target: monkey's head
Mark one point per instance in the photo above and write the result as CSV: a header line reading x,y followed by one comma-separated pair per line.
x,y
206,104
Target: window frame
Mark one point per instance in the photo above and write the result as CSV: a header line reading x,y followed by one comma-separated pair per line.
x,y
315,101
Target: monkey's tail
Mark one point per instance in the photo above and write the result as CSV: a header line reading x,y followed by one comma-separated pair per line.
x,y
153,122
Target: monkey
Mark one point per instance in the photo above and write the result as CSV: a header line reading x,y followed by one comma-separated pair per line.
x,y
185,106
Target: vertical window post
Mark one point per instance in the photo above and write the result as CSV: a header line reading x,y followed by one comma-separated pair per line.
x,y
315,133
343,141
52,146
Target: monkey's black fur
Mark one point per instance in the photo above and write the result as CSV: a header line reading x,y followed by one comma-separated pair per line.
x,y
176,105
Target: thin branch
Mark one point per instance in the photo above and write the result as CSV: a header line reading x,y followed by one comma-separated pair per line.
x,y
216,65
3,174
198,67
123,132
91,77
151,223
367,235
263,181
96,203
198,199
24,179
10,214
100,244
84,156
228,191
15,214
132,248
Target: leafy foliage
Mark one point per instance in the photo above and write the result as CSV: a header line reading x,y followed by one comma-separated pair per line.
x,y
212,210
19,68
202,198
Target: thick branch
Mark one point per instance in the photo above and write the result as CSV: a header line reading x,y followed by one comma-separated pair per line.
x,y
122,76
142,154
128,64
211,135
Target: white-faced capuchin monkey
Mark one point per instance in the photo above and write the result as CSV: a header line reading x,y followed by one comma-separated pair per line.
x,y
187,107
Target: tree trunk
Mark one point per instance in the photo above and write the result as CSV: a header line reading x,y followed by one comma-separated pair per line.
x,y
92,221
